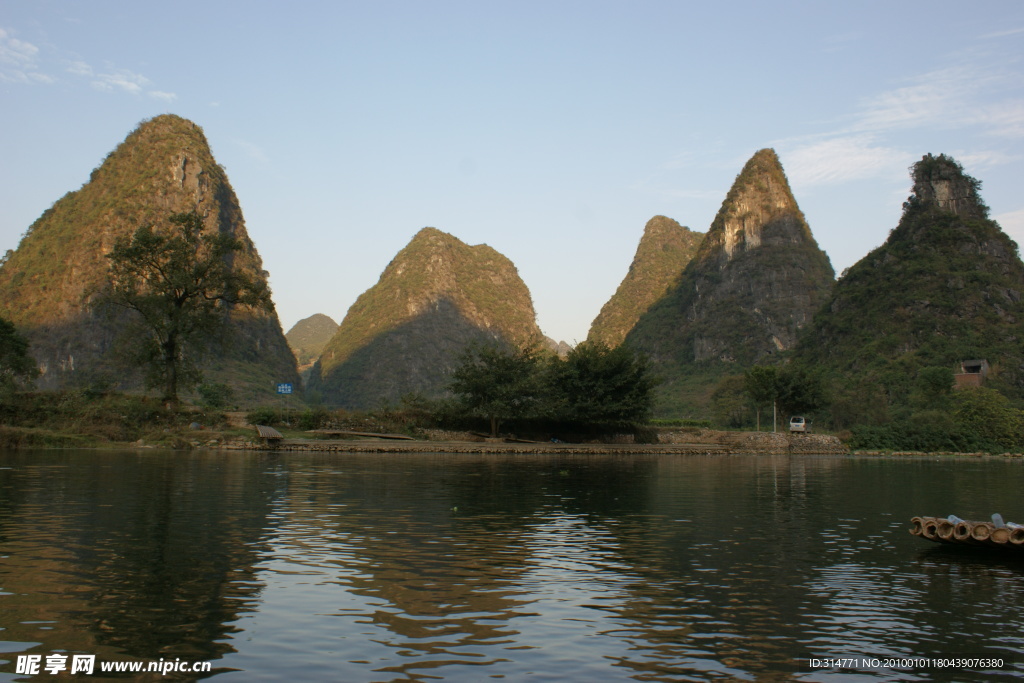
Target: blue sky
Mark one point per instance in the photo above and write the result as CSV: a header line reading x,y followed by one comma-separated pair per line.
x,y
552,131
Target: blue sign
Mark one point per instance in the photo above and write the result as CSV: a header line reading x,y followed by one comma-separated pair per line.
x,y
284,388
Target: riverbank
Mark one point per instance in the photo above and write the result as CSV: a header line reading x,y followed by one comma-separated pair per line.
x,y
698,441
76,420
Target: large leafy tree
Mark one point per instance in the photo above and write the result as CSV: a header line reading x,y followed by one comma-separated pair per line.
x,y
179,282
801,390
761,383
793,389
592,386
497,383
596,384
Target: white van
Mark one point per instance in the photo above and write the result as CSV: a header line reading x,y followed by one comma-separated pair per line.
x,y
799,424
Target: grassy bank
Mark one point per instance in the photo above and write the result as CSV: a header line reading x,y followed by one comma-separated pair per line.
x,y
77,419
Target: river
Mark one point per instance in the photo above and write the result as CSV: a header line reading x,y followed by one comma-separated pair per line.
x,y
364,567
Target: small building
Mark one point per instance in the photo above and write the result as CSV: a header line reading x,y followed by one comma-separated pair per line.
x,y
972,374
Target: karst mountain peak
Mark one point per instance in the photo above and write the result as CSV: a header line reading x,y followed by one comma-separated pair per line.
x,y
756,279
435,298
947,286
47,285
664,250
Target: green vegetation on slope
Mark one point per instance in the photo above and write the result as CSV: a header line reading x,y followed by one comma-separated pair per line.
x,y
945,287
404,334
309,336
664,250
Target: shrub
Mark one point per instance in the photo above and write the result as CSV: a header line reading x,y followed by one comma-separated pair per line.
x,y
215,395
313,418
264,415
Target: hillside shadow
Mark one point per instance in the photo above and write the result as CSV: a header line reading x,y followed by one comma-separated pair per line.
x,y
415,357
99,350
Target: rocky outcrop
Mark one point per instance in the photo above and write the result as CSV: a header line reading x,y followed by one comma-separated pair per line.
x,y
405,334
48,284
756,279
664,250
940,183
559,348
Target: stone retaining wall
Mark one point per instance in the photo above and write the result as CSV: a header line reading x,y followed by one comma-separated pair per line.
x,y
757,442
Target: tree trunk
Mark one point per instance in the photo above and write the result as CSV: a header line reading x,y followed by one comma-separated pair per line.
x,y
170,348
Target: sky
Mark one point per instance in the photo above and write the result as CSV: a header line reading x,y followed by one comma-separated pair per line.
x,y
551,131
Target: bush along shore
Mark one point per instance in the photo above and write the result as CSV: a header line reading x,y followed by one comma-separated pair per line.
x,y
84,419
441,431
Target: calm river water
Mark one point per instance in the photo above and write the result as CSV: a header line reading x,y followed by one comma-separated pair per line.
x,y
346,567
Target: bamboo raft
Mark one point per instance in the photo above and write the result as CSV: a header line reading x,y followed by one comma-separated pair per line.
x,y
952,529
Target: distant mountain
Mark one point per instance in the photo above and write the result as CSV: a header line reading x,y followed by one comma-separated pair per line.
x,y
947,286
308,337
756,279
46,286
664,250
404,335
559,348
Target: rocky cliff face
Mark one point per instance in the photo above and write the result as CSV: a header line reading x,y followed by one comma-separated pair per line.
x,y
756,279
946,286
404,334
665,249
46,286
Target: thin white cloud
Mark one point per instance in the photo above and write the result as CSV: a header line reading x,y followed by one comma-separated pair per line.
x,y
121,79
1004,119
968,95
839,159
14,51
985,158
118,80
1003,34
19,61
938,96
80,68
37,77
956,97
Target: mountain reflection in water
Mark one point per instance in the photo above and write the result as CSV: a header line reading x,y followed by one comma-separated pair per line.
x,y
360,567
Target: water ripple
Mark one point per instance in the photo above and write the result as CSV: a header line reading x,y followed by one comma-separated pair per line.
x,y
365,568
